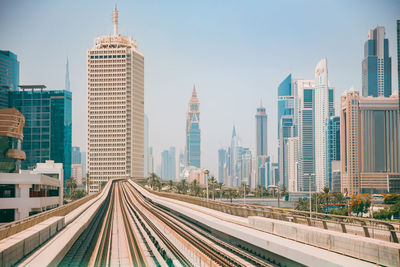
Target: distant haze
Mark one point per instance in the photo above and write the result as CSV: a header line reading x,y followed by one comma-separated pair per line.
x,y
235,52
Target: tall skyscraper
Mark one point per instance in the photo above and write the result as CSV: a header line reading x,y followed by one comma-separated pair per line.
x,y
221,164
172,163
9,76
370,144
165,165
146,146
377,65
233,177
305,106
323,109
151,161
261,131
193,138
115,108
67,83
332,146
48,125
292,162
286,127
76,156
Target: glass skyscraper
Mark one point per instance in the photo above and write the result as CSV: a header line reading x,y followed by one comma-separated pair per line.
x,y
9,76
377,65
332,145
48,125
261,131
193,138
76,155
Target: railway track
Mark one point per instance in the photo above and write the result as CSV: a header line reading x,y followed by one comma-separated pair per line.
x,y
130,230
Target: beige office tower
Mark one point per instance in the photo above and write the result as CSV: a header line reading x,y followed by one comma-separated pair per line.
x,y
115,109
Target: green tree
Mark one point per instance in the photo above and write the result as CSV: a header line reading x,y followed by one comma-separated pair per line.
x,y
195,188
219,187
260,190
77,194
211,184
182,186
71,183
170,185
152,180
326,195
391,198
360,203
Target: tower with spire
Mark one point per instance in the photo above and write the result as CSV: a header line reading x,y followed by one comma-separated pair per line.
x,y
67,83
115,108
261,131
193,136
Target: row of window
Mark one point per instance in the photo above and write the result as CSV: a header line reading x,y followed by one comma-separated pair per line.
x,y
107,56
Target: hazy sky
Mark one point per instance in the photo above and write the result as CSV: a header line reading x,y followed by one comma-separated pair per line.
x,y
235,52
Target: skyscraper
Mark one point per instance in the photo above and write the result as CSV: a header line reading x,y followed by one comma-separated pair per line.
x,y
233,173
151,161
323,109
221,164
193,138
9,76
305,106
292,162
48,125
115,108
146,146
261,131
377,65
172,163
369,140
165,165
76,156
398,56
332,146
286,127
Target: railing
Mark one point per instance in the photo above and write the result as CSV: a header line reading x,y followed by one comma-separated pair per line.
x,y
383,230
12,228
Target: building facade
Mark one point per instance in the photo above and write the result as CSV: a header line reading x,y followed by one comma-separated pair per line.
x,y
76,156
193,134
115,108
261,131
221,164
377,65
370,143
323,110
292,152
9,76
48,125
77,172
332,145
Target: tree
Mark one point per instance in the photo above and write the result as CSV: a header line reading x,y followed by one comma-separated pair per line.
x,y
219,186
326,195
195,188
152,180
170,185
360,203
77,194
71,183
284,191
244,189
182,186
391,198
260,189
211,182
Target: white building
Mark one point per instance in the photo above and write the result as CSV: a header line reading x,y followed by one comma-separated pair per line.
x,y
292,153
77,172
55,170
321,116
115,109
25,194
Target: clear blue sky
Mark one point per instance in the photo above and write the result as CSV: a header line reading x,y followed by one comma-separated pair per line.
x,y
236,52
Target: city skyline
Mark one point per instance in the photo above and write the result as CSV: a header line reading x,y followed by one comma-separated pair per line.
x,y
216,121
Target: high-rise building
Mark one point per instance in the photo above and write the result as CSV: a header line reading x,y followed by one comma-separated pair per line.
x,y
221,164
323,109
332,146
76,156
245,167
77,172
233,173
292,162
286,127
67,82
181,164
48,125
305,105
115,108
9,76
261,131
151,161
172,163
370,144
165,165
193,138
376,65
398,56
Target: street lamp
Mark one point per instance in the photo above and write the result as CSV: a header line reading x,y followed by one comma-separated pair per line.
x,y
206,172
309,175
278,190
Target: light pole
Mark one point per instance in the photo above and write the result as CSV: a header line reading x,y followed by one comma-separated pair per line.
x,y
278,191
206,172
309,188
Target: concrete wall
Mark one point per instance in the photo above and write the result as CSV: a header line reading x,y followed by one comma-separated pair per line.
x,y
381,252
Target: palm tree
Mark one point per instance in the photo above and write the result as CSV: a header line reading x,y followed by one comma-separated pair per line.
x,y
326,195
219,186
260,190
152,179
71,183
195,188
212,181
230,193
170,184
182,186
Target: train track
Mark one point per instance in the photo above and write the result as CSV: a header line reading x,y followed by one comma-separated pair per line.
x,y
130,230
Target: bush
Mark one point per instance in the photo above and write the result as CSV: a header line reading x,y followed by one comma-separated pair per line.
x,y
391,198
383,214
340,211
77,194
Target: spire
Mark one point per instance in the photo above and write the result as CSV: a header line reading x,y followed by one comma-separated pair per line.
x,y
67,84
261,103
115,20
233,132
194,93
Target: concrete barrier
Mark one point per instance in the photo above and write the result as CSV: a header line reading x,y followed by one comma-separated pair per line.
x,y
14,248
377,251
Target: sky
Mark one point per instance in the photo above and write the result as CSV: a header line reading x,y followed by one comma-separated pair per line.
x,y
235,52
